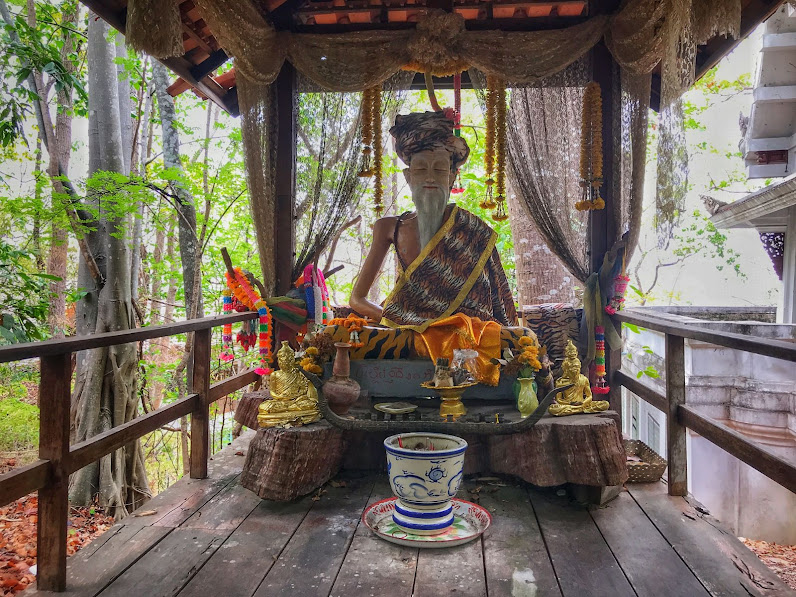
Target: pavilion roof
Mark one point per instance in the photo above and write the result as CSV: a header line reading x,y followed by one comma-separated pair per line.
x,y
203,55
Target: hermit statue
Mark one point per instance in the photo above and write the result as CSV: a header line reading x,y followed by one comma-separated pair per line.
x,y
451,289
447,255
578,398
294,400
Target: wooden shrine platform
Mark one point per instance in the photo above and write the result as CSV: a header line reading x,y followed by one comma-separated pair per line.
x,y
213,537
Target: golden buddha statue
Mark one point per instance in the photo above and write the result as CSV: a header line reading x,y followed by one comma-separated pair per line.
x,y
294,400
578,398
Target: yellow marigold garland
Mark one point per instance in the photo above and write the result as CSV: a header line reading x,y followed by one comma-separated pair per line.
x,y
378,187
591,150
367,132
500,152
489,149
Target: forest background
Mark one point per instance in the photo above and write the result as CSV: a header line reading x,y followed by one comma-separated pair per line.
x,y
117,200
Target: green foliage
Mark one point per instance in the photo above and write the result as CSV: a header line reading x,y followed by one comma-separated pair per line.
x,y
702,237
19,425
24,50
24,296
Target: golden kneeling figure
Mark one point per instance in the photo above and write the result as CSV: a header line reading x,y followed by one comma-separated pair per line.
x,y
294,400
578,398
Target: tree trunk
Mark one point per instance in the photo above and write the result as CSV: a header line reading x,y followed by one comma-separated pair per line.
x,y
105,393
186,223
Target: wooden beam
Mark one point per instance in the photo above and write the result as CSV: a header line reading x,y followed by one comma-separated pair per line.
x,y
23,480
232,384
104,443
285,184
187,29
779,349
200,418
641,390
206,67
54,395
735,443
676,452
206,85
31,350
602,226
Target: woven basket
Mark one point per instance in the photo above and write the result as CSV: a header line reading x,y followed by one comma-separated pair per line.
x,y
648,471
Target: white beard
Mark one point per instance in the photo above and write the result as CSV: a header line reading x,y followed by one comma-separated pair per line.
x,y
430,213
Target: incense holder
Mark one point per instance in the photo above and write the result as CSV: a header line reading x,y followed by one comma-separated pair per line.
x,y
425,471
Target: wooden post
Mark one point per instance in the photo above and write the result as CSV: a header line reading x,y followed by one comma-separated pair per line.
x,y
200,418
285,183
54,395
677,453
613,362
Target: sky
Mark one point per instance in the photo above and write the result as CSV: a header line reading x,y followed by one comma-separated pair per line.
x,y
697,281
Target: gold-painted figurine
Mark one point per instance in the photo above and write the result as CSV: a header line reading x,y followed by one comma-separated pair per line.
x,y
578,398
294,400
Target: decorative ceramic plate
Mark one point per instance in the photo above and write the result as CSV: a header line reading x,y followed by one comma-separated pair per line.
x,y
469,521
395,408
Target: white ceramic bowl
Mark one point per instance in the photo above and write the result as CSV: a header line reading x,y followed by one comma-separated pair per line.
x,y
425,471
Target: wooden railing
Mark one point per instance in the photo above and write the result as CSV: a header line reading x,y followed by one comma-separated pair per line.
x,y
49,475
680,416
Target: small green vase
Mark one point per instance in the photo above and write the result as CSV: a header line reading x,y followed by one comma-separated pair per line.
x,y
527,402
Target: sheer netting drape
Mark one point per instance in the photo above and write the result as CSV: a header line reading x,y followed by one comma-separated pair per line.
x,y
259,128
543,149
328,189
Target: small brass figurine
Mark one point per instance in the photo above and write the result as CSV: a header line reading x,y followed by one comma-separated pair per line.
x,y
578,398
294,400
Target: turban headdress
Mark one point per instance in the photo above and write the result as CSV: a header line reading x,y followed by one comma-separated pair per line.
x,y
427,131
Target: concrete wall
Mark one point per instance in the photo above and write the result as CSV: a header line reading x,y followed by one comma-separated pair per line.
x,y
754,394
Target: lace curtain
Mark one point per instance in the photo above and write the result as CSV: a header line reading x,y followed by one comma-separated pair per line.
x,y
329,152
642,34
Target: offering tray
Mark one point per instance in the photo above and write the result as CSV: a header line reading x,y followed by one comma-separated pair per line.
x,y
451,398
469,522
418,420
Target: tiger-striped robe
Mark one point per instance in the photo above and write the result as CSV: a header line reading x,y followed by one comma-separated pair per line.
x,y
459,271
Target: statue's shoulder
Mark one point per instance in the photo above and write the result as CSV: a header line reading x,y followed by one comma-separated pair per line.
x,y
470,218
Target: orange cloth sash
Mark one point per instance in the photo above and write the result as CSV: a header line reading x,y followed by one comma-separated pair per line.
x,y
462,331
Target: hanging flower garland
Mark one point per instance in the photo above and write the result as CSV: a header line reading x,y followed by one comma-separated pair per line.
x,y
378,187
500,214
458,187
591,150
242,290
489,150
600,387
354,325
367,133
226,332
372,144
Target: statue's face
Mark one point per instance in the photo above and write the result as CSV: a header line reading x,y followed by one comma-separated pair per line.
x,y
571,369
429,176
286,360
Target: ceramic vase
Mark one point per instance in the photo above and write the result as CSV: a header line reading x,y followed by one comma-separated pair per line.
x,y
425,470
340,390
527,402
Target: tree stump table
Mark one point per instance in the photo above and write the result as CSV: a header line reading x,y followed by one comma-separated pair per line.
x,y
585,452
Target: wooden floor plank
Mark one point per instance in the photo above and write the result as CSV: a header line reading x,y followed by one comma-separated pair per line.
x,y
94,567
248,554
582,560
168,566
451,571
636,543
515,556
718,559
225,511
312,558
374,566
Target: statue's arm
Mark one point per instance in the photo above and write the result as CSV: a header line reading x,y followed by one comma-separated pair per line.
x,y
382,238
